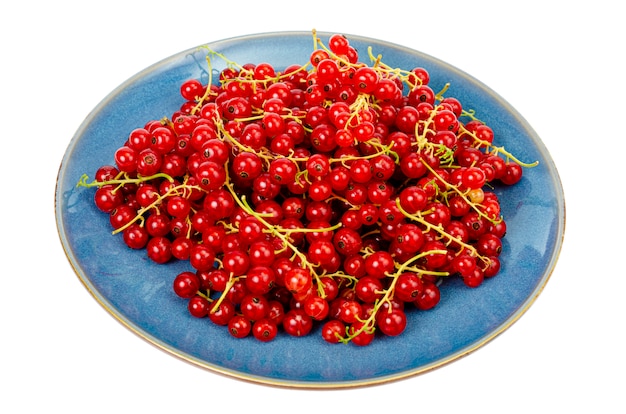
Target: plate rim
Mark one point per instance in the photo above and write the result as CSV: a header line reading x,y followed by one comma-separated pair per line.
x,y
555,250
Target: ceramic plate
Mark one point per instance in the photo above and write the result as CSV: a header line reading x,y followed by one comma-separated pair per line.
x,y
138,292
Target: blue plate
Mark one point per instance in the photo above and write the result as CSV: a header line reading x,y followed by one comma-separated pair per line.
x,y
138,292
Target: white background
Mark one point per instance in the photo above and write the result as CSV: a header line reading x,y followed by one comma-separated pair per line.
x,y
560,64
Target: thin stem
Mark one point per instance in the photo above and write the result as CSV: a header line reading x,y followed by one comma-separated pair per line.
x,y
284,237
160,198
370,322
82,182
231,282
441,231
497,150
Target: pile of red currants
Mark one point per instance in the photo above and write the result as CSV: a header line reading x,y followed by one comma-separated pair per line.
x,y
335,194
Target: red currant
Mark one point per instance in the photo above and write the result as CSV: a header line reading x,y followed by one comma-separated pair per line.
x,y
186,285
264,330
329,193
239,326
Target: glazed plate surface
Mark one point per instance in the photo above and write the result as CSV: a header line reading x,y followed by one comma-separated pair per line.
x,y
138,292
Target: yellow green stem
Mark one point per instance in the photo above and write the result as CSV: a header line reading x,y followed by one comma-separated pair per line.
x,y
370,322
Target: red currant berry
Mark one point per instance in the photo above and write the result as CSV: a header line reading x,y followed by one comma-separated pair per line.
x,y
408,287
126,159
391,323
489,245
362,335
239,326
254,307
136,236
297,323
475,278
191,90
159,249
108,197
260,280
316,307
368,289
222,313
264,330
201,257
512,174
333,331
429,297
186,285
198,306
